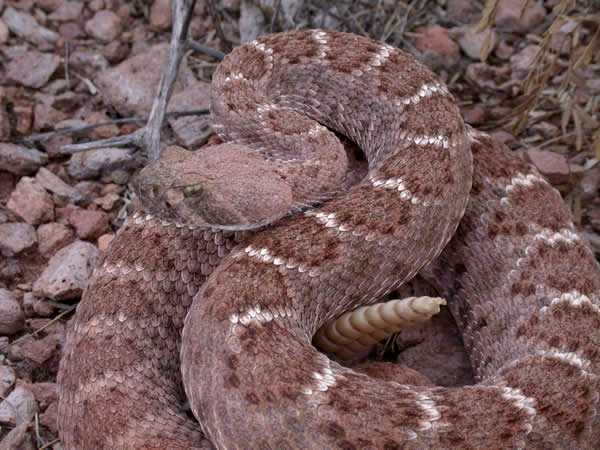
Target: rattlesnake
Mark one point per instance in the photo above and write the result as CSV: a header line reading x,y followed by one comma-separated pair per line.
x,y
522,285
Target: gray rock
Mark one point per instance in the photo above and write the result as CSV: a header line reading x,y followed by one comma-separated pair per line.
x,y
88,62
86,165
12,319
68,271
472,42
7,379
130,87
463,11
256,15
16,237
590,184
32,69
252,21
18,438
25,26
33,305
191,131
20,160
54,184
19,407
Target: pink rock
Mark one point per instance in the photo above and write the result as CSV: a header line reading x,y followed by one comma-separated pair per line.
x,y
553,165
437,46
105,26
67,11
89,224
45,393
104,241
49,418
509,18
4,33
160,15
130,87
116,51
108,201
503,136
52,237
31,202
37,351
96,5
49,5
475,115
45,116
70,30
103,132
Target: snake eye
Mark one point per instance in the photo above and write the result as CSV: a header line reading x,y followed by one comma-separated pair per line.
x,y
154,191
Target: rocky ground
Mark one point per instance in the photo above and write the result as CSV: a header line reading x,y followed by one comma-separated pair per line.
x,y
531,79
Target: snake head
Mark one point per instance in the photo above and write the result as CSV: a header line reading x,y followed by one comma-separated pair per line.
x,y
222,186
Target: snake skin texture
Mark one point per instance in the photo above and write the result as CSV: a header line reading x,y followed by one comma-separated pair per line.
x,y
522,285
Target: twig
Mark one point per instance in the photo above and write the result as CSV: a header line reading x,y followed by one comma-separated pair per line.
x,y
275,16
91,88
67,57
45,446
38,437
55,319
553,140
216,17
198,47
41,137
148,137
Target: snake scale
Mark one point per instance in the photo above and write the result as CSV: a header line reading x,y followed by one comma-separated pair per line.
x,y
230,314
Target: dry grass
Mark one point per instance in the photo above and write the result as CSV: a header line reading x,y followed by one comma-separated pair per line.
x,y
567,49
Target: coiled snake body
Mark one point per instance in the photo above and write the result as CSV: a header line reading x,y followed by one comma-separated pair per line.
x,y
521,284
